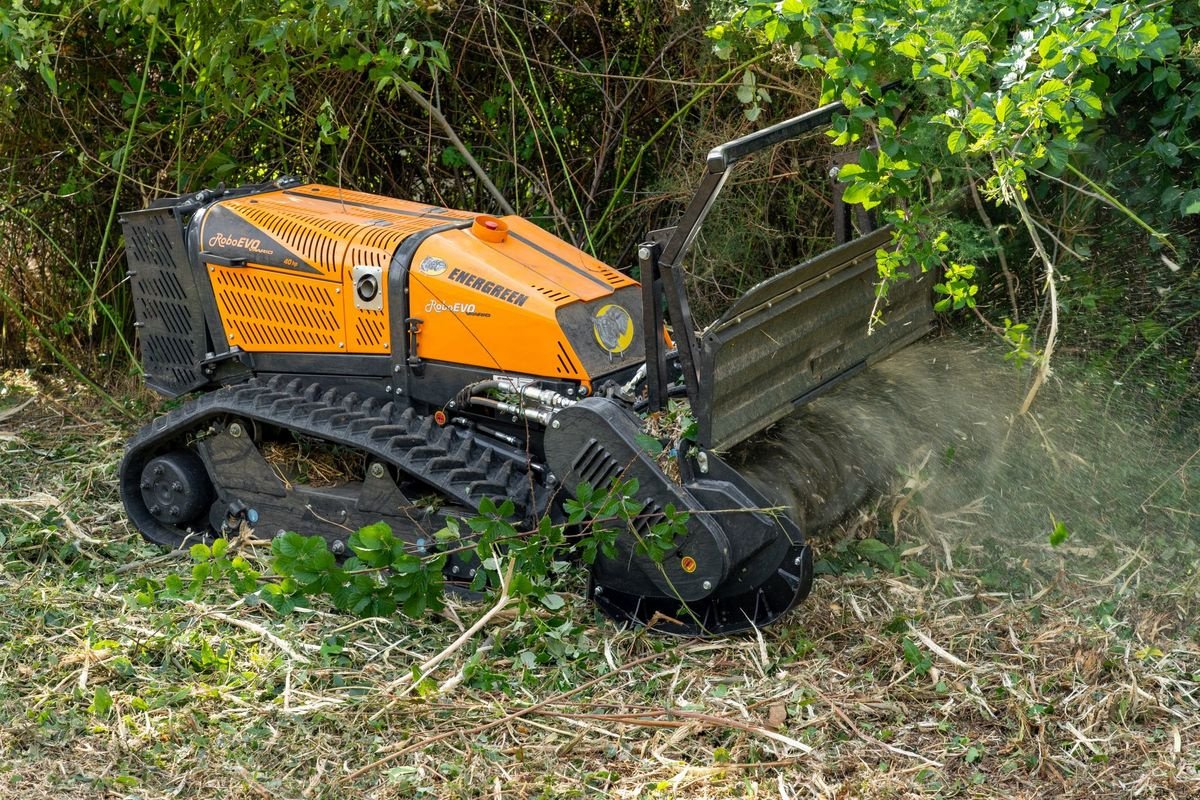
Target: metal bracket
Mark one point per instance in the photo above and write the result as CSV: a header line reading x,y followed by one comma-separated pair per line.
x,y
412,327
652,325
212,361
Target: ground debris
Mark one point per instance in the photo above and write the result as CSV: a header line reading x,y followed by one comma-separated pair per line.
x,y
915,670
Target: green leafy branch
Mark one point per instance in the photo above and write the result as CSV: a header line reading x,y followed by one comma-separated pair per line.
x,y
998,92
384,574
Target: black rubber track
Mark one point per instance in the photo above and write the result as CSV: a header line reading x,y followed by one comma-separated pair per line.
x,y
456,463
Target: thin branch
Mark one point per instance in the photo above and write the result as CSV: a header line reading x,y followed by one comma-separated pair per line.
x,y
1043,370
442,122
1010,280
428,667
253,627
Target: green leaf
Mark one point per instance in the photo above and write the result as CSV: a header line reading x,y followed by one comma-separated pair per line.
x,y
102,702
1089,104
915,657
980,122
877,552
650,444
1004,107
48,76
407,565
1190,203
1059,534
956,141
910,47
860,193
288,545
553,602
415,605
849,171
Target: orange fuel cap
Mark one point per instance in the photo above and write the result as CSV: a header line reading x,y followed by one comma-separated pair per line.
x,y
489,229
688,564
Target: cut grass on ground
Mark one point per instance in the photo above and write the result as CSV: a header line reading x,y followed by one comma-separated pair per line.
x,y
923,674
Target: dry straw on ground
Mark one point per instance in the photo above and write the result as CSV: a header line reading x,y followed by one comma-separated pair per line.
x,y
948,675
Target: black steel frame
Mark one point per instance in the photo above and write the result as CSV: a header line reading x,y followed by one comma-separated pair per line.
x,y
661,258
661,261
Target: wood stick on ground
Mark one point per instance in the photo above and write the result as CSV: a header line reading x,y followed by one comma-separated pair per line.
x,y
428,667
17,409
675,717
938,650
408,748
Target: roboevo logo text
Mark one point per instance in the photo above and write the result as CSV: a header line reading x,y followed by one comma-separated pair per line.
x,y
242,242
434,307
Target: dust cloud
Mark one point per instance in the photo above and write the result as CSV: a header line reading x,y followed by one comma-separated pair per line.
x,y
938,422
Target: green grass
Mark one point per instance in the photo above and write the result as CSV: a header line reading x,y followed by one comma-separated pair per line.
x,y
933,671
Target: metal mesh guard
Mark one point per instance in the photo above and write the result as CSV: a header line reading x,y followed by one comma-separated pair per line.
x,y
165,301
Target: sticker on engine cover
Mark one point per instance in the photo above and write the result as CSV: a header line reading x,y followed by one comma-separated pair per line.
x,y
434,307
432,266
613,328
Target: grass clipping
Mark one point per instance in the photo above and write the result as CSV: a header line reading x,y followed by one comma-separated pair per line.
x,y
950,670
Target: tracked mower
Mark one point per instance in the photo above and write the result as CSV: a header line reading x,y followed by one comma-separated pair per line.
x,y
458,357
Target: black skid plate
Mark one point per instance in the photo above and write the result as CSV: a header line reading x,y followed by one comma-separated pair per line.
x,y
739,565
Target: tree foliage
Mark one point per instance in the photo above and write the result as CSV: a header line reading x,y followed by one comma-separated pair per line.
x,y
1003,97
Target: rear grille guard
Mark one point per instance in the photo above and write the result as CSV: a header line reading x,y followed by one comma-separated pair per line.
x,y
169,318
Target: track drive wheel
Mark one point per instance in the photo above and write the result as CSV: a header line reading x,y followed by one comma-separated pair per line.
x,y
168,496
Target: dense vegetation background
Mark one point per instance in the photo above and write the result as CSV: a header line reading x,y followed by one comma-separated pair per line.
x,y
593,119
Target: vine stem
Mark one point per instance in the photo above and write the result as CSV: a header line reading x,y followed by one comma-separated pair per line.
x,y
1043,370
1117,204
1010,280
112,209
430,665
429,108
444,124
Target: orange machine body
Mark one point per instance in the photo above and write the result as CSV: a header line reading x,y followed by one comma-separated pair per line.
x,y
287,269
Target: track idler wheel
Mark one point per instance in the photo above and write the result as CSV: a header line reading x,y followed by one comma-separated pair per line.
x,y
167,495
175,488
